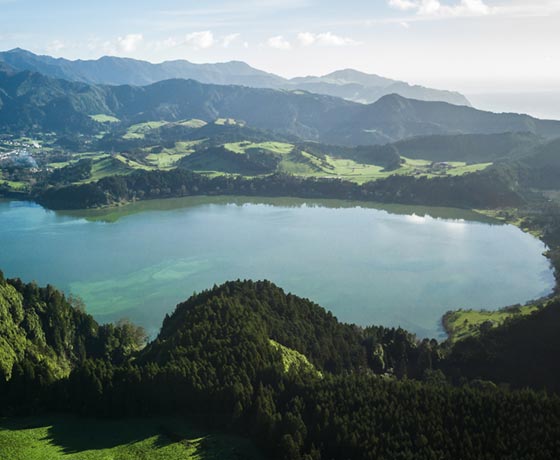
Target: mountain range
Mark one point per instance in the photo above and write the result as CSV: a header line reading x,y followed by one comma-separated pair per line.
x,y
348,84
32,101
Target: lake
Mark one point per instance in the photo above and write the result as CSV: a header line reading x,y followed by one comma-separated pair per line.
x,y
396,266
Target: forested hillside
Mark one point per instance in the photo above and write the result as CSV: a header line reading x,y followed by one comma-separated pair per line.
x,y
486,189
36,103
362,393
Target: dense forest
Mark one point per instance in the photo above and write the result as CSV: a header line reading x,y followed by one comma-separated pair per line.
x,y
486,189
284,371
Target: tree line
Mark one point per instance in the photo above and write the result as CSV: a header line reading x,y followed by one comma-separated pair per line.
x,y
486,189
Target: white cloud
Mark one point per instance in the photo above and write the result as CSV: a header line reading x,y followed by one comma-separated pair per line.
x,y
229,39
403,5
278,42
436,8
325,38
306,38
55,46
429,7
169,42
200,40
129,43
535,8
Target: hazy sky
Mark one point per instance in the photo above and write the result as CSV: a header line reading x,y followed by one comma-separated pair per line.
x,y
468,45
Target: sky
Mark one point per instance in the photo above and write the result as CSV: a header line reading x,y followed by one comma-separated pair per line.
x,y
466,45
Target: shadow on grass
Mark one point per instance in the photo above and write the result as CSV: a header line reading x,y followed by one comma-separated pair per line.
x,y
75,435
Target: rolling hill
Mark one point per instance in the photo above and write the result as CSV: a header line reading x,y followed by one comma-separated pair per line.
x,y
31,101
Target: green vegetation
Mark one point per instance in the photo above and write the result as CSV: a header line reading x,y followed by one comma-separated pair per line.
x,y
67,437
35,103
229,122
460,324
290,159
460,168
483,189
248,355
193,123
138,131
165,160
293,360
281,148
15,185
107,166
102,118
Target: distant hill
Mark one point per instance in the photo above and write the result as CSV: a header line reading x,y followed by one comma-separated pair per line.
x,y
367,88
111,70
396,117
31,101
348,84
540,166
471,148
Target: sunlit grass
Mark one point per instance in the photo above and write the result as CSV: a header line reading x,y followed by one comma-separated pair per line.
x,y
71,438
103,118
466,323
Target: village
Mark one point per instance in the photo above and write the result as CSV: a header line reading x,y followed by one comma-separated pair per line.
x,y
19,153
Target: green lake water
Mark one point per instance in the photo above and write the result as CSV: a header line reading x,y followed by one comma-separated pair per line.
x,y
395,266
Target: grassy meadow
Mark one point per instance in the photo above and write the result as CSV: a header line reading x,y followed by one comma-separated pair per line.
x,y
460,324
73,438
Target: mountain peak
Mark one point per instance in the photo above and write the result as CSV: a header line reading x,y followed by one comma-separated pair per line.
x,y
18,51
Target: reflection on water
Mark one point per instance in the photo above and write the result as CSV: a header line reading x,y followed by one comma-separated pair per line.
x,y
169,204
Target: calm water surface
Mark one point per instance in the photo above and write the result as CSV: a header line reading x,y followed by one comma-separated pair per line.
x,y
393,267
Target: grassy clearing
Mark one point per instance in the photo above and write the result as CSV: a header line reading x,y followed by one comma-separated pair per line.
x,y
293,359
164,160
17,186
360,173
467,323
60,164
229,121
106,166
511,216
168,157
102,118
464,168
349,169
280,148
193,123
111,165
132,163
139,130
71,438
